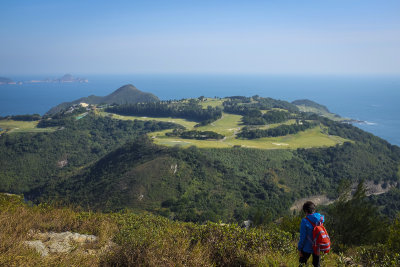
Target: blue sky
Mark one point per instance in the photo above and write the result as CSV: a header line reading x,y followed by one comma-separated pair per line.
x,y
272,37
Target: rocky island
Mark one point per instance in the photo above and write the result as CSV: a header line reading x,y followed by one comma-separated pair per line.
x,y
4,80
67,78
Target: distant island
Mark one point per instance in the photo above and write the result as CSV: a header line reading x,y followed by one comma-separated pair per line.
x,y
67,78
4,80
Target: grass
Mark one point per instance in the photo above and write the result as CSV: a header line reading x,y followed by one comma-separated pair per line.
x,y
307,139
11,126
186,123
141,240
213,102
273,125
227,125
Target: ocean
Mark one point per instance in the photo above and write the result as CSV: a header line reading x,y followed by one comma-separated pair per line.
x,y
373,99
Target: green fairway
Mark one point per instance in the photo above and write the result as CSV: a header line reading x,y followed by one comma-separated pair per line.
x,y
229,125
11,126
186,123
307,139
273,125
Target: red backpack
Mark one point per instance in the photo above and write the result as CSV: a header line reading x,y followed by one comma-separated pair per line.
x,y
321,241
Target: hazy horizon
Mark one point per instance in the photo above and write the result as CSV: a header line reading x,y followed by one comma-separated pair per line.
x,y
208,37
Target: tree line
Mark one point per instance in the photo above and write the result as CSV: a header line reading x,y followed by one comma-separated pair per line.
x,y
193,134
190,110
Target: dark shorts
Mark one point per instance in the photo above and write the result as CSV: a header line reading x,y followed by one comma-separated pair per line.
x,y
315,259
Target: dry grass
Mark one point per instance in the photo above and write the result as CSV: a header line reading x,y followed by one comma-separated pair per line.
x,y
141,240
17,219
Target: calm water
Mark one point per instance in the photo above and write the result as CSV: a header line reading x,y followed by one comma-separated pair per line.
x,y
371,99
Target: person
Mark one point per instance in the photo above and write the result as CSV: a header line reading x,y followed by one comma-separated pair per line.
x,y
306,235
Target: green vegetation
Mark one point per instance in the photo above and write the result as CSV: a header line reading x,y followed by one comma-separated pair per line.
x,y
232,184
102,161
309,106
198,135
13,126
212,102
30,158
145,239
230,125
245,105
307,139
281,130
119,164
27,117
190,110
388,203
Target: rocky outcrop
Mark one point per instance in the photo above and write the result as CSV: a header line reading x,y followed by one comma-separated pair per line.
x,y
48,243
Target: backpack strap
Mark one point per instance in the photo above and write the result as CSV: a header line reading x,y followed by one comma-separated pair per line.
x,y
313,224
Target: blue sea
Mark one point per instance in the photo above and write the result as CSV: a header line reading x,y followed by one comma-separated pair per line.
x,y
374,99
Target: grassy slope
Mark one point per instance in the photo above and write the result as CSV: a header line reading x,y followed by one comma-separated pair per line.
x,y
142,239
212,102
12,126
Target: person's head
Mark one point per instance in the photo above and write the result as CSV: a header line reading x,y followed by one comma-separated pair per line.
x,y
309,207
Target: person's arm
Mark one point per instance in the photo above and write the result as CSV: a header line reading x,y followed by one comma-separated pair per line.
x,y
303,232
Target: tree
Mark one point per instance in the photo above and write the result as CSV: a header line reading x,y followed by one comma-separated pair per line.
x,y
355,221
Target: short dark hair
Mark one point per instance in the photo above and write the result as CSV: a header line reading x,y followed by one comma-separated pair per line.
x,y
309,207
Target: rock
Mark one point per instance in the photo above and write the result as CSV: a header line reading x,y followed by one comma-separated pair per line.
x,y
247,224
38,246
51,243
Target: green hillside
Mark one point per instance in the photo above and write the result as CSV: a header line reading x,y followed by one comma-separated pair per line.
x,y
217,184
229,159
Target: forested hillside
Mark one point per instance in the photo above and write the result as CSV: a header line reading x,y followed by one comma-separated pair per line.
x,y
28,160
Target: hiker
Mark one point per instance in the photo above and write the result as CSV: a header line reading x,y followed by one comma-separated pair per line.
x,y
305,245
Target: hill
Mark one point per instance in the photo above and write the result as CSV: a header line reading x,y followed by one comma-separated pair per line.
x,y
242,158
127,94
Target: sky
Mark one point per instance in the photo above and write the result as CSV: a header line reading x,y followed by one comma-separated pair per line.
x,y
327,37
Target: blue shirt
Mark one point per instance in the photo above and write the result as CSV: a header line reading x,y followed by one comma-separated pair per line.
x,y
306,229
